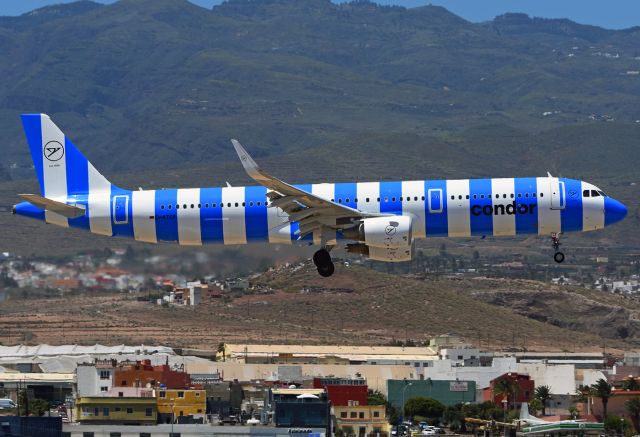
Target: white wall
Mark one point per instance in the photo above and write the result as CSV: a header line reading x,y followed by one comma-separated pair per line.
x,y
446,370
561,378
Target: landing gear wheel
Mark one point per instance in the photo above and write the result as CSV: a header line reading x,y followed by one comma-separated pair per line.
x,y
558,257
323,263
326,270
321,257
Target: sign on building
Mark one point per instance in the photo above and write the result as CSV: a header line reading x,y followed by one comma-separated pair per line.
x,y
458,386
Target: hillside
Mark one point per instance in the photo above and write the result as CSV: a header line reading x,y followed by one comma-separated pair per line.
x,y
356,306
145,84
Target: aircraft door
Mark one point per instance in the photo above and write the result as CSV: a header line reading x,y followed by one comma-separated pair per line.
x,y
557,191
120,210
434,197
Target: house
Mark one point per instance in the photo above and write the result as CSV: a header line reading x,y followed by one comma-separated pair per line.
x,y
361,420
183,406
117,410
524,388
299,408
141,373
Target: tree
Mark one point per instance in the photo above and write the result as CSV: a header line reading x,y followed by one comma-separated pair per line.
x,y
505,387
631,384
39,407
633,408
375,397
222,350
536,405
429,408
603,390
543,394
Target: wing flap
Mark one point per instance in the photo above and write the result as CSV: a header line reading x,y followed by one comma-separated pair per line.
x,y
66,210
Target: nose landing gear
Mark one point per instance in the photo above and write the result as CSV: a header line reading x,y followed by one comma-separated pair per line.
x,y
322,260
555,242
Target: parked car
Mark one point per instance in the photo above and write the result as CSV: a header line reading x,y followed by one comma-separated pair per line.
x,y
7,404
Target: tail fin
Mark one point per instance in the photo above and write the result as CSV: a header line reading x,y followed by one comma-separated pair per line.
x,y
61,169
524,411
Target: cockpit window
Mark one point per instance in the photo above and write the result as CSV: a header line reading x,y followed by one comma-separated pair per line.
x,y
602,193
585,193
595,193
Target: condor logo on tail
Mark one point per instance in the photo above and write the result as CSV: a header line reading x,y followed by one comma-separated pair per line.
x,y
510,209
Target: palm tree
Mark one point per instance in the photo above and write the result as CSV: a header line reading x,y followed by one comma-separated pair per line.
x,y
505,387
543,394
633,408
603,390
222,350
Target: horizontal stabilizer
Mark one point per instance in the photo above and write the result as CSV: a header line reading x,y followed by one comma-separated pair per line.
x,y
69,211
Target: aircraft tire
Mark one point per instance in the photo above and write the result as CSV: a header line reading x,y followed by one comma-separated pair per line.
x,y
321,258
326,270
558,257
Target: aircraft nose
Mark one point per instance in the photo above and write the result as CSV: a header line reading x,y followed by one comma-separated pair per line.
x,y
614,211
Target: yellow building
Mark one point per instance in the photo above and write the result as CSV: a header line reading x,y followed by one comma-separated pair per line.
x,y
361,420
177,402
109,410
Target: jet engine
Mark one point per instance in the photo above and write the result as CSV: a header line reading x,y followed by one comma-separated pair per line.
x,y
392,232
388,254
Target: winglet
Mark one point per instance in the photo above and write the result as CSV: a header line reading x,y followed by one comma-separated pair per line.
x,y
248,163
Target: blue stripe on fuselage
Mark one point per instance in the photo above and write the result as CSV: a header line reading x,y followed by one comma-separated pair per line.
x,y
526,223
77,183
296,225
211,224
347,193
437,224
479,191
255,217
166,219
391,197
571,215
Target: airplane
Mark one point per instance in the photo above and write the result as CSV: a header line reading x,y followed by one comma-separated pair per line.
x,y
379,220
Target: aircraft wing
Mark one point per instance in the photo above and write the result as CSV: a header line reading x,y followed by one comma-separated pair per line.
x,y
64,209
311,211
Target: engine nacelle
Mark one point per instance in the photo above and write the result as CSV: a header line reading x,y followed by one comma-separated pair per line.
x,y
382,232
387,254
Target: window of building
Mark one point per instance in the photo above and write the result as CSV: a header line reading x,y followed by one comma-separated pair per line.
x,y
105,374
416,364
129,410
163,394
117,409
87,434
361,415
115,434
362,431
124,383
343,414
145,434
180,394
104,389
376,414
460,357
96,411
197,394
199,410
148,411
105,411
353,415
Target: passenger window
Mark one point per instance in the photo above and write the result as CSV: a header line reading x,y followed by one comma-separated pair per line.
x,y
459,196
453,197
367,199
213,205
161,206
222,205
594,193
228,204
541,194
339,200
243,204
250,203
206,205
422,197
346,200
386,199
534,194
526,194
258,203
512,196
192,206
184,206
482,196
169,206
393,199
467,196
415,199
378,200
355,200
177,206
236,204
519,194
489,196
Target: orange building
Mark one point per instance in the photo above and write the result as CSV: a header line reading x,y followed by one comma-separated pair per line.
x,y
141,373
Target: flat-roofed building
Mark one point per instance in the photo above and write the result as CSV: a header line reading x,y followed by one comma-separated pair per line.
x,y
181,404
361,420
120,410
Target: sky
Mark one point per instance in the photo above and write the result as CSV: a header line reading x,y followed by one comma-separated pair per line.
x,y
611,14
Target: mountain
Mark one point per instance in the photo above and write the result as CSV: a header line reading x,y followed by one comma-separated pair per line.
x,y
146,84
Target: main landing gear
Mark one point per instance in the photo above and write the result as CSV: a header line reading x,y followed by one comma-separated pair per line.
x,y
322,260
555,242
